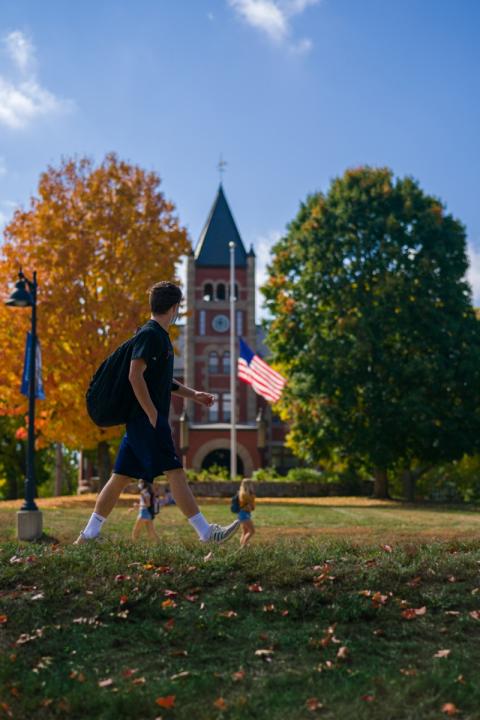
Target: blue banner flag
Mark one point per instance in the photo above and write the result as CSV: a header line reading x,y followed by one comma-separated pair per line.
x,y
39,391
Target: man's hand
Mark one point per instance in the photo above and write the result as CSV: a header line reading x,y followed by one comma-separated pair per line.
x,y
203,398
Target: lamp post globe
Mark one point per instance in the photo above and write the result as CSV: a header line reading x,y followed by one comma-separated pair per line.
x,y
29,517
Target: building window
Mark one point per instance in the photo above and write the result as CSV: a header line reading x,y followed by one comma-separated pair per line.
x,y
213,410
213,362
226,363
227,407
236,291
202,322
221,293
239,322
208,292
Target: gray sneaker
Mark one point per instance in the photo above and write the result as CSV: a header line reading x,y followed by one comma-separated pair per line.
x,y
221,534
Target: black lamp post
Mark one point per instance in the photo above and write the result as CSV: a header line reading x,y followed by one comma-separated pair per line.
x,y
25,295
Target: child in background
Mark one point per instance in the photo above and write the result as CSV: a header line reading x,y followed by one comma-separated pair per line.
x,y
246,497
168,497
145,514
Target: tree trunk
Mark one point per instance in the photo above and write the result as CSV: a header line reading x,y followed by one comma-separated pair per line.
x,y
409,478
58,469
380,488
104,463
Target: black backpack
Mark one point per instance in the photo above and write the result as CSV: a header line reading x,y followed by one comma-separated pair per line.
x,y
235,504
110,397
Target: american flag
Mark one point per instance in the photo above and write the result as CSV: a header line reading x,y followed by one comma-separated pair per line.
x,y
266,381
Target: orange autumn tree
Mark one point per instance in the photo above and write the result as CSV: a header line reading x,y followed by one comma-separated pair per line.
x,y
98,237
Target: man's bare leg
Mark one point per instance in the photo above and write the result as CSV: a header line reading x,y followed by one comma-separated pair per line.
x,y
108,496
185,500
182,494
106,501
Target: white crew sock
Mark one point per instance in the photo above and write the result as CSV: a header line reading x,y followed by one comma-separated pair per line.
x,y
94,526
200,524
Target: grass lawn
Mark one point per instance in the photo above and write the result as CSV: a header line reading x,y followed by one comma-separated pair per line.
x,y
342,608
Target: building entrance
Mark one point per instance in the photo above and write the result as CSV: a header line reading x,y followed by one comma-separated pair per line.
x,y
221,457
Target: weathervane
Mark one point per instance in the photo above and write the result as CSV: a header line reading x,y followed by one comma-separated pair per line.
x,y
222,164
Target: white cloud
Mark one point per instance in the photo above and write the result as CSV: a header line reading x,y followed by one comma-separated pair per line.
x,y
273,18
20,50
23,100
473,272
263,247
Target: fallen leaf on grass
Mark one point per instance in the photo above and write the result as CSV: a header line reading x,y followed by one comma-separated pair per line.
x,y
269,608
169,624
208,556
149,566
169,603
415,582
38,596
367,698
442,653
238,676
284,613
455,613
220,704
191,598
412,613
105,683
313,704
122,578
180,675
410,672
179,653
170,593
76,675
475,614
460,679
3,619
379,599
167,701
343,653
139,681
228,614
6,709
264,653
450,709
255,588
387,548
379,632
128,672
15,691
123,599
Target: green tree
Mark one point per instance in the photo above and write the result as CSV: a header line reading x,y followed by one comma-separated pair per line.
x,y
374,328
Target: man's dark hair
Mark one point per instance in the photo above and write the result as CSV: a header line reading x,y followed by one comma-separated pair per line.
x,y
163,295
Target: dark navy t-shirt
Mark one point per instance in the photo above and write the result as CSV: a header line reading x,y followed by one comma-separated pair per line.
x,y
152,344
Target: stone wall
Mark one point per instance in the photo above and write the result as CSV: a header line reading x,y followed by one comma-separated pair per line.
x,y
267,489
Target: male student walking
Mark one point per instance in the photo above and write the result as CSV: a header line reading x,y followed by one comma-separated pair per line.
x,y
147,448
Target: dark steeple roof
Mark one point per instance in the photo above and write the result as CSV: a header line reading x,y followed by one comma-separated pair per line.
x,y
212,249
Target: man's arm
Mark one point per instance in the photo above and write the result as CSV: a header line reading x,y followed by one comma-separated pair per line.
x,y
202,398
137,381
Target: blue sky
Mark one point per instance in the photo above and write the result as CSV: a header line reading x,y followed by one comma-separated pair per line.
x,y
292,92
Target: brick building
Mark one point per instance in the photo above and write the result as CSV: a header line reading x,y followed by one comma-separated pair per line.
x,y
203,358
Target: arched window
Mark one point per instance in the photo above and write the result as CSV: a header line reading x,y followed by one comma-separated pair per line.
x,y
208,292
226,363
221,292
213,362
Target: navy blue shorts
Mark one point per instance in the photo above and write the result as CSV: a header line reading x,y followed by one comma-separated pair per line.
x,y
146,451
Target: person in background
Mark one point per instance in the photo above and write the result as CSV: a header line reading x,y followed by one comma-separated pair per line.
x,y
246,497
168,497
145,514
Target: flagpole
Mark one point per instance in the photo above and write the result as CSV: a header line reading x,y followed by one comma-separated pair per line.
x,y
233,368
